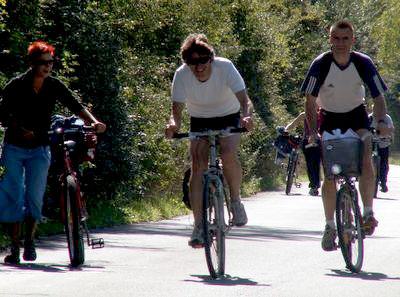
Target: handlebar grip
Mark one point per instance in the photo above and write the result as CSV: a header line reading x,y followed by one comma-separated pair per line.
x,y
180,135
239,130
311,145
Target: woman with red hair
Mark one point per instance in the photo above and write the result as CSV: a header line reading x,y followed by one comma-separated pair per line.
x,y
26,105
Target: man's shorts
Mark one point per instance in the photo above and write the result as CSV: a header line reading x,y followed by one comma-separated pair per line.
x,y
355,119
217,123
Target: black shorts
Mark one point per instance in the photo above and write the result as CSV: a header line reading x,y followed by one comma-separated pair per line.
x,y
355,119
217,123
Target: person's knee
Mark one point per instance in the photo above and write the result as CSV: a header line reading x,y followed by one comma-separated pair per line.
x,y
230,158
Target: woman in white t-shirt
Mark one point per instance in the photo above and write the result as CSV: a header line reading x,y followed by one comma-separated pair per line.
x,y
216,98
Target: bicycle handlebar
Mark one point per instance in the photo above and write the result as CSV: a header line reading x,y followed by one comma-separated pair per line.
x,y
223,132
72,130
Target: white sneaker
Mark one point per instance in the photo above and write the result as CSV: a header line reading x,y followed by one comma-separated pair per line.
x,y
239,213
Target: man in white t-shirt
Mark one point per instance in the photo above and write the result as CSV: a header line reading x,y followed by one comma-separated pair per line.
x,y
216,98
384,142
335,82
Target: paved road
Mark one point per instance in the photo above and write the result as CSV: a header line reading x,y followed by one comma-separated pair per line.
x,y
277,254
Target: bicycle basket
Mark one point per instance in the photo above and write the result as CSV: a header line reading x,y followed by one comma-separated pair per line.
x,y
85,141
282,145
342,156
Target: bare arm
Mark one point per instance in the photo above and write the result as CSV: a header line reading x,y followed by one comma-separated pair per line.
x,y
175,120
88,117
247,109
245,104
311,116
379,112
296,122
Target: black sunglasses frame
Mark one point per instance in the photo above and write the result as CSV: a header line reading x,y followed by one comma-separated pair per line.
x,y
198,61
44,62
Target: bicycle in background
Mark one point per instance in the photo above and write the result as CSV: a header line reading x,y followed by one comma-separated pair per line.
x,y
288,146
217,218
348,216
73,143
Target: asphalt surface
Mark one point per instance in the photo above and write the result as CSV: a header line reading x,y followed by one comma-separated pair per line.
x,y
277,254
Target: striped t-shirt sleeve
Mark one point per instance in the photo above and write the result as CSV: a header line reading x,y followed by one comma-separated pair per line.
x,y
372,78
311,83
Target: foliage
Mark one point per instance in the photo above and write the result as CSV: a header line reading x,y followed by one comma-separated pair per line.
x,y
120,56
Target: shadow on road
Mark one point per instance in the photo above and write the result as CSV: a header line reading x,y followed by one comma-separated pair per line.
x,y
226,280
364,275
50,267
112,236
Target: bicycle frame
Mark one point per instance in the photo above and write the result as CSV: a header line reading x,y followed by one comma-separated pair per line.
x,y
72,204
215,197
214,172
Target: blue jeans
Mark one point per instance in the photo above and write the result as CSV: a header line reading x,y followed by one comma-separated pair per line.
x,y
24,183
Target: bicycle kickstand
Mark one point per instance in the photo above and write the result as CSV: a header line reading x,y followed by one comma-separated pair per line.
x,y
95,243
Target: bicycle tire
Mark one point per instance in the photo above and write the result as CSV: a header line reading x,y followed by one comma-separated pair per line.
x,y
214,226
377,165
349,227
290,172
72,223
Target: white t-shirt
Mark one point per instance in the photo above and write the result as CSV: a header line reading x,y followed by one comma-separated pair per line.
x,y
212,98
342,91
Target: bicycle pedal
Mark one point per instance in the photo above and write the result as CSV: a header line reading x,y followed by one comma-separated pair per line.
x,y
97,243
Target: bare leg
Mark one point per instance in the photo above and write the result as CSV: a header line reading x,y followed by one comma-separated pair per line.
x,y
199,155
367,178
329,198
231,165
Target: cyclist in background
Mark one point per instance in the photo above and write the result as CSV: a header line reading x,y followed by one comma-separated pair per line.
x,y
214,93
383,149
335,82
311,153
26,105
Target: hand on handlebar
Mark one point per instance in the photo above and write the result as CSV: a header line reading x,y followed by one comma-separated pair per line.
x,y
170,130
99,127
247,122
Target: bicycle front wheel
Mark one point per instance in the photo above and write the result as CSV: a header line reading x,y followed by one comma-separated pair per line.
x,y
349,227
214,226
291,170
72,223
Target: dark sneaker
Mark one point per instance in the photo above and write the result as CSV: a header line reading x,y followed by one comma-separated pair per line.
x,y
313,192
29,251
13,258
197,239
384,188
239,216
328,239
370,223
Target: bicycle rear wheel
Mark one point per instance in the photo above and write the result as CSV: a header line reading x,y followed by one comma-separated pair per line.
x,y
291,170
214,226
349,227
72,223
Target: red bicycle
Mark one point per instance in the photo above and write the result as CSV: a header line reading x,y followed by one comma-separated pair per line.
x,y
72,143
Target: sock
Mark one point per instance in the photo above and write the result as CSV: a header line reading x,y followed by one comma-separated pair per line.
x,y
368,210
331,223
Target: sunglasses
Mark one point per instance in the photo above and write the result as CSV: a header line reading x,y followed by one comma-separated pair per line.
x,y
197,61
44,62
